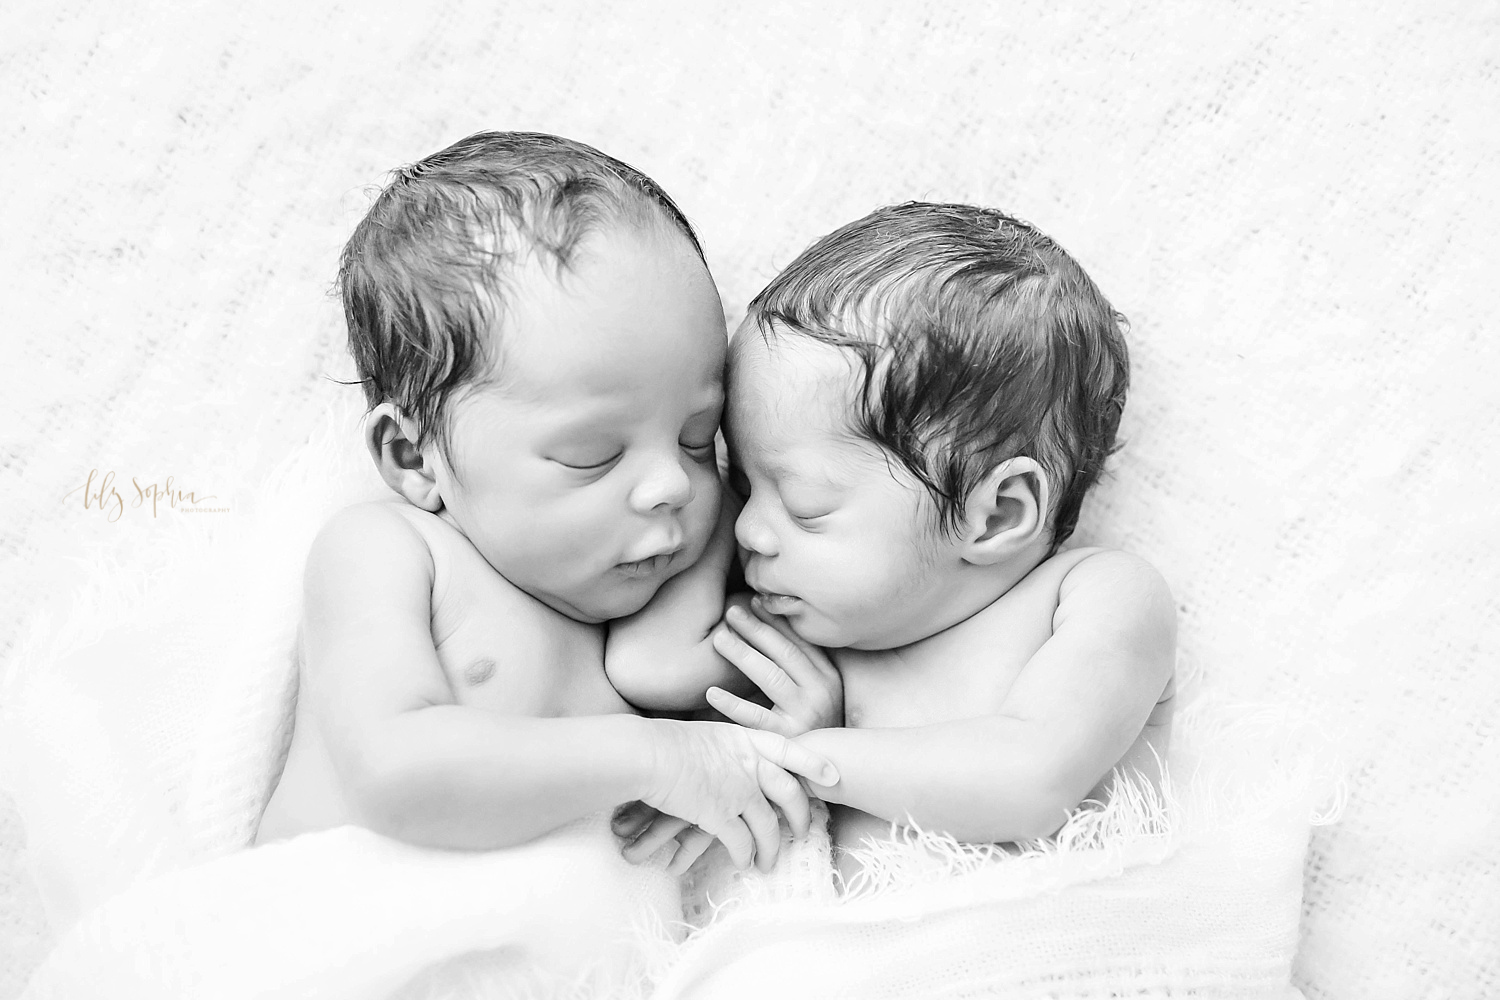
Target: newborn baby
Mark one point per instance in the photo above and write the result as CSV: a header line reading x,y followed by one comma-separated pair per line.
x,y
917,407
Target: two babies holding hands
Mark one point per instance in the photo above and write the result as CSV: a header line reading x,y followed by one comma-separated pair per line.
x,y
567,585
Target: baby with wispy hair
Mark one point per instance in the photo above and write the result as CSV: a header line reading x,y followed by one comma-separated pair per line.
x,y
918,406
542,349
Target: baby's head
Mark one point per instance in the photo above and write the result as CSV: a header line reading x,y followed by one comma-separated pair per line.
x,y
918,405
542,349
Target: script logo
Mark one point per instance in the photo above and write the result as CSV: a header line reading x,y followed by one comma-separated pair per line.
x,y
103,493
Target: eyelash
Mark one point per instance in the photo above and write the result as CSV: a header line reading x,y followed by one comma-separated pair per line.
x,y
740,483
707,448
593,468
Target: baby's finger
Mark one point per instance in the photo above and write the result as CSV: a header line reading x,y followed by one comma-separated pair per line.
x,y
754,664
787,794
631,818
661,831
785,653
815,654
746,713
737,841
766,829
793,756
692,843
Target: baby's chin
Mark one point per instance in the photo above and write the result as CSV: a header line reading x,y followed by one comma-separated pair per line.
x,y
828,634
820,632
617,591
594,608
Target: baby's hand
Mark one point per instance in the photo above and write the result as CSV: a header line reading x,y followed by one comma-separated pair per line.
x,y
798,677
722,779
645,831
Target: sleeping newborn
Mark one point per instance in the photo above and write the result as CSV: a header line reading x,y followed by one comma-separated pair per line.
x,y
542,347
917,407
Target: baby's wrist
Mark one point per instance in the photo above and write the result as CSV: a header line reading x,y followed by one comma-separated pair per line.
x,y
639,753
655,757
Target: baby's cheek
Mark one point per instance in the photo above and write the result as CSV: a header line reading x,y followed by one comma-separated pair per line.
x,y
703,509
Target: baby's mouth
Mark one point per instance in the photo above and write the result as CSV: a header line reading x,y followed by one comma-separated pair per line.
x,y
646,567
778,604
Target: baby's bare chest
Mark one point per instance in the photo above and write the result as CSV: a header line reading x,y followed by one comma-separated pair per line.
x,y
963,672
504,651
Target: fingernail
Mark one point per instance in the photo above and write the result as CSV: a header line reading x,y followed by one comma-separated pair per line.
x,y
829,776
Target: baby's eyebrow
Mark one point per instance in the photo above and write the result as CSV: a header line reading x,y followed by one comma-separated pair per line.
x,y
817,479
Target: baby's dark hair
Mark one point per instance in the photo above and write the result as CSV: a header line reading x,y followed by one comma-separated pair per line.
x,y
424,276
980,340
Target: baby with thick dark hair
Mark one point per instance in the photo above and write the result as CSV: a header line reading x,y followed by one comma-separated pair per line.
x,y
542,349
917,407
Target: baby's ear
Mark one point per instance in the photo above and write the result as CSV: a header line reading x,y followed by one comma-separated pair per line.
x,y
1006,512
392,440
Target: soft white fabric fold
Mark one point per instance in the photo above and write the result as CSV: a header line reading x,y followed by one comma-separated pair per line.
x,y
346,914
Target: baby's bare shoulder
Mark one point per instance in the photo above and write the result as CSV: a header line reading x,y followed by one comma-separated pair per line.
x,y
376,521
370,543
1115,585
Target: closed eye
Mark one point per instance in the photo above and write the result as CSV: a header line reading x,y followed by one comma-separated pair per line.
x,y
593,467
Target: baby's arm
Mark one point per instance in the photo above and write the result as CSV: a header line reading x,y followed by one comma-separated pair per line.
x,y
415,765
1077,707
662,658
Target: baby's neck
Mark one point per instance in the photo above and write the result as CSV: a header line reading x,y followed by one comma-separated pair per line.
x,y
974,588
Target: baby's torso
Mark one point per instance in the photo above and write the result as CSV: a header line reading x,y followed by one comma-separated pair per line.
x,y
964,672
500,649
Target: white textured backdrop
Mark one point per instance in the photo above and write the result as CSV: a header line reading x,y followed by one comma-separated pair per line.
x,y
1295,204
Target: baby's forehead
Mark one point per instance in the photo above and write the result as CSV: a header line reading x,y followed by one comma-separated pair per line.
x,y
791,392
761,356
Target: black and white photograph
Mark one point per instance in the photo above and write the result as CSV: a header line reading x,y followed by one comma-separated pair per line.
x,y
686,501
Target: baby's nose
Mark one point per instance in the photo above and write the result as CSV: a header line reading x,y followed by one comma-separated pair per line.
x,y
666,484
752,532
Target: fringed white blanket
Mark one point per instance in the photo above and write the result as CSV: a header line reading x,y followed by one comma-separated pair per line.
x,y
1193,892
